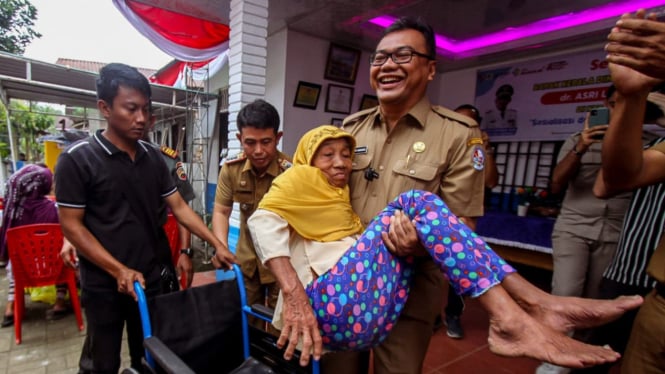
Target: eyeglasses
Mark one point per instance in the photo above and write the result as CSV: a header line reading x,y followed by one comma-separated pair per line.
x,y
400,56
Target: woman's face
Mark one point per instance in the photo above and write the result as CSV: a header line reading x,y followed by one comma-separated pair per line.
x,y
334,159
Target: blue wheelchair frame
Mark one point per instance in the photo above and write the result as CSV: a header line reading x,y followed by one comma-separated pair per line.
x,y
246,310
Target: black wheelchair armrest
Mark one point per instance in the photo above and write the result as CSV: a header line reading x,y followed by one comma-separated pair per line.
x,y
165,358
263,311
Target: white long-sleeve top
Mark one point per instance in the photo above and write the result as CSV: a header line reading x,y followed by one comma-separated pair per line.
x,y
273,237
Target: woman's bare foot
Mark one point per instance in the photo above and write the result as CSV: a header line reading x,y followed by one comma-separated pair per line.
x,y
514,333
566,314
522,336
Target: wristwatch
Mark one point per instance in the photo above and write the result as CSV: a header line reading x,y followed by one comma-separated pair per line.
x,y
187,251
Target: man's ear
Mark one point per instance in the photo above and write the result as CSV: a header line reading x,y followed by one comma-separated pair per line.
x,y
432,70
104,108
239,136
278,136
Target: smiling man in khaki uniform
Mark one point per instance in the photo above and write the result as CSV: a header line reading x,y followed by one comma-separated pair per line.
x,y
408,143
245,179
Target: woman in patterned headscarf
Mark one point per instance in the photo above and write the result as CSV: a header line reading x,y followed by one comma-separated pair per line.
x,y
25,204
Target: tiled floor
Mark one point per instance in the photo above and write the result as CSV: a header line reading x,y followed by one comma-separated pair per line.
x,y
54,346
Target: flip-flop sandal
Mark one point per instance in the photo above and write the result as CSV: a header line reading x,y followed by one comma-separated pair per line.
x,y
54,315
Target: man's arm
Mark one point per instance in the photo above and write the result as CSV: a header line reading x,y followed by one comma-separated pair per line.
x,y
71,221
625,165
636,58
186,216
184,265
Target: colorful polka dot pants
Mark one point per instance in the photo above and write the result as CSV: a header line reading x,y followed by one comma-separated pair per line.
x,y
360,299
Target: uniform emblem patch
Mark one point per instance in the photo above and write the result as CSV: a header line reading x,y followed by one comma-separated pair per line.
x,y
478,158
180,171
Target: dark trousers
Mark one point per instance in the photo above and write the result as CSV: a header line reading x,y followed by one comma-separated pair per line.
x,y
455,305
615,333
106,314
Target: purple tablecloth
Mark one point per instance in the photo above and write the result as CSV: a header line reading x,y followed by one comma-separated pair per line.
x,y
530,232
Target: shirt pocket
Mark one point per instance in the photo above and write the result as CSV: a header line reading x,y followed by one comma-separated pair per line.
x,y
416,170
245,199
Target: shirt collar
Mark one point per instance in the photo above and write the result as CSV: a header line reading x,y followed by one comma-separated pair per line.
x,y
273,167
418,112
111,149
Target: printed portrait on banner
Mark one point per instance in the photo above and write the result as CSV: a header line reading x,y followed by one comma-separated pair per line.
x,y
544,99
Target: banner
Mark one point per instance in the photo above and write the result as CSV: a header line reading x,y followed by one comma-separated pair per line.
x,y
544,99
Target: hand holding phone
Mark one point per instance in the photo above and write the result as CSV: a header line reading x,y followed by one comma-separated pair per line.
x,y
599,117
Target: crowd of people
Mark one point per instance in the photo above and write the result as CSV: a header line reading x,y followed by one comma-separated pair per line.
x,y
353,239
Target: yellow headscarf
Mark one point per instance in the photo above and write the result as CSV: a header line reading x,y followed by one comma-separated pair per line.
x,y
302,195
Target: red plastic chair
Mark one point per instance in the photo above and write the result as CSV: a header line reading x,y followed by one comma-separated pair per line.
x,y
35,254
173,235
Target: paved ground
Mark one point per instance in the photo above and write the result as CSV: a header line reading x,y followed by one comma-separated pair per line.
x,y
47,346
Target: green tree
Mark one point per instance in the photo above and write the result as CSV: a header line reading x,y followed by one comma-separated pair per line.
x,y
27,127
16,21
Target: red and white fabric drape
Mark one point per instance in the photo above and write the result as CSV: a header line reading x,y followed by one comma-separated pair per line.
x,y
198,45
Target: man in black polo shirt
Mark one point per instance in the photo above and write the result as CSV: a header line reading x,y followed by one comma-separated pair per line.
x,y
109,189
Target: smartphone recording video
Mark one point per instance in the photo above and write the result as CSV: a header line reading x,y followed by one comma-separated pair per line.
x,y
597,117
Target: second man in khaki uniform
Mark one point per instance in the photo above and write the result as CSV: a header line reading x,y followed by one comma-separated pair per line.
x,y
244,179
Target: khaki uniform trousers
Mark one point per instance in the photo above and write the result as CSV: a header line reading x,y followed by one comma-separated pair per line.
x,y
645,353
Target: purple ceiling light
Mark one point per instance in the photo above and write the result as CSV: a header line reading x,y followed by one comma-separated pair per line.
x,y
543,26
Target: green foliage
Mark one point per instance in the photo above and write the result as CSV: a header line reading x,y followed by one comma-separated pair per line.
x,y
16,21
26,128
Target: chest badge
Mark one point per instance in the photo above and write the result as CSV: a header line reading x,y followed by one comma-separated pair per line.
x,y
419,147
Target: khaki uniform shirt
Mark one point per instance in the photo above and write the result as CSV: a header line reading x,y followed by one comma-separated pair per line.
x,y
309,258
432,149
239,183
582,213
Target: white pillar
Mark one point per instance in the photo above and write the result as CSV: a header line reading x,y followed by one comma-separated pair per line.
x,y
247,57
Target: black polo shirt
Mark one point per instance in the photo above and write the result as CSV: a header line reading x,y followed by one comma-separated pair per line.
x,y
94,175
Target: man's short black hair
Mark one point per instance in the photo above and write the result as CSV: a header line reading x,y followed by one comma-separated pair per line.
x,y
115,75
418,24
472,109
259,114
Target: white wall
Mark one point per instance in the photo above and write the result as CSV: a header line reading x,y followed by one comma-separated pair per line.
x,y
306,61
276,71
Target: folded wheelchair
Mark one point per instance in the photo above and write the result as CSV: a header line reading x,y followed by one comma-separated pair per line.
x,y
205,330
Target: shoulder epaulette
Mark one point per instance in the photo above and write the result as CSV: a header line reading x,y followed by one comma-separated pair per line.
x,y
452,115
284,163
168,151
358,116
235,159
